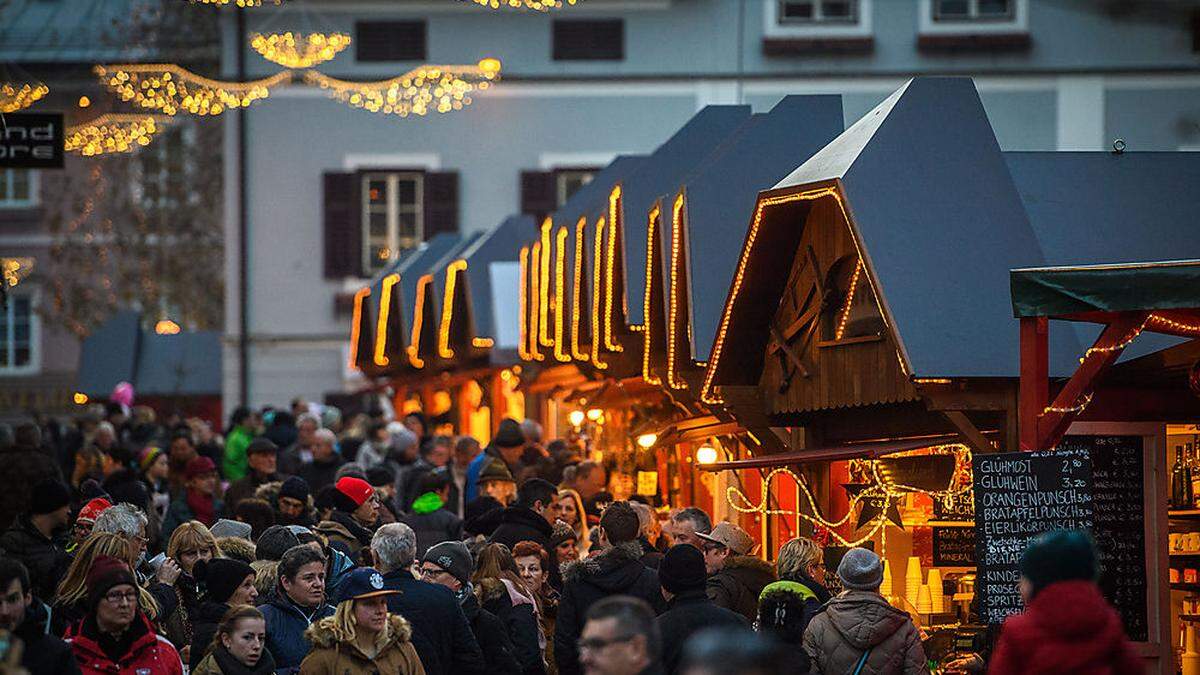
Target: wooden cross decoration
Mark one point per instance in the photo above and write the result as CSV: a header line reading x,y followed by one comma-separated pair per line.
x,y
818,295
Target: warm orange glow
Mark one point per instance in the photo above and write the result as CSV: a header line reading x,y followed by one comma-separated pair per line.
x,y
597,290
560,292
576,292
614,231
356,324
523,299
845,314
543,246
482,342
647,311
676,289
452,271
167,327
80,398
414,346
381,325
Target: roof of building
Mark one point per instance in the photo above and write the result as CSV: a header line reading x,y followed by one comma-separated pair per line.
x,y
184,364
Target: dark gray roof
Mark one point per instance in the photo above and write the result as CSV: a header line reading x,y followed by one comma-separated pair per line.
x,y
720,198
500,244
185,364
413,268
941,224
662,174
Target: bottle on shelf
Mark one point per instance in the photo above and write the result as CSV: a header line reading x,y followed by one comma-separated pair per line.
x,y
1194,452
1177,491
1189,497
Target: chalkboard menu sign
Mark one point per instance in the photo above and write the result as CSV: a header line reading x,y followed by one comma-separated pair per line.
x,y
1118,495
963,509
1017,497
954,546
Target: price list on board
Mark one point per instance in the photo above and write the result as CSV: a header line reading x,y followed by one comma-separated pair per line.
x,y
1017,497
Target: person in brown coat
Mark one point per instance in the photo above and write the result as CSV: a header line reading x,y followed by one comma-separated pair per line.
x,y
735,576
362,638
859,626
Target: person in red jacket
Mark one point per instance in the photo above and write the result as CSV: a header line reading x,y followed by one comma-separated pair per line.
x,y
1067,627
116,638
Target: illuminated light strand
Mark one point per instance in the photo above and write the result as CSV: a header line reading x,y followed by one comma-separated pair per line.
x,y
535,296
16,96
381,323
706,391
673,300
544,285
523,305
536,5
414,347
15,270
171,88
1119,345
651,255
428,88
239,3
614,231
576,292
482,342
597,290
298,50
1174,325
845,313
560,282
113,133
932,380
360,296
452,270
1080,406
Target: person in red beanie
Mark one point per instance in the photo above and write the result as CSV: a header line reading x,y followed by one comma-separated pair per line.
x,y
85,520
354,518
1067,627
116,638
198,501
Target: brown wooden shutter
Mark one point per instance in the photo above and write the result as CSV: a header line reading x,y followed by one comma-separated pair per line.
x,y
441,203
343,226
539,193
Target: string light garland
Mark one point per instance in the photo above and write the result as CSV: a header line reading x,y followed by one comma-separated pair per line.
x,y
535,5
483,343
414,347
560,291
299,50
1178,326
15,269
16,96
1119,345
610,268
452,270
576,290
523,305
544,281
845,315
673,301
535,256
647,311
112,133
239,3
597,291
171,88
360,296
420,91
381,323
1079,407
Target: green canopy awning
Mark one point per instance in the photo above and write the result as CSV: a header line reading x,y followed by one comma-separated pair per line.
x,y
1079,290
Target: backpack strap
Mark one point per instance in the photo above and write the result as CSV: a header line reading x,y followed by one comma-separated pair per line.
x,y
862,661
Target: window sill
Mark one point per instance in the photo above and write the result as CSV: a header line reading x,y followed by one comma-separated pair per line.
x,y
15,213
968,41
799,46
849,341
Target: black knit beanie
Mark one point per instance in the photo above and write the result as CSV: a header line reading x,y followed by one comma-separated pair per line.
x,y
221,576
49,496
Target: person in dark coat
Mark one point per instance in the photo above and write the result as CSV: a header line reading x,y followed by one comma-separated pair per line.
x,y
28,619
1067,625
199,501
261,456
228,583
802,560
38,537
531,518
621,638
325,463
449,564
617,570
354,516
441,634
735,577
500,590
25,464
434,454
682,576
298,602
428,515
785,609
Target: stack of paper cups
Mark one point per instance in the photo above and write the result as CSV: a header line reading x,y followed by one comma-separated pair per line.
x,y
924,605
912,580
885,589
936,593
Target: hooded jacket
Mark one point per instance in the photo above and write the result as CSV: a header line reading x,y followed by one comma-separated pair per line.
x,y
1068,627
493,639
342,528
44,651
617,571
286,623
147,654
518,615
45,558
205,620
688,613
340,566
856,621
432,526
736,586
518,523
331,657
440,632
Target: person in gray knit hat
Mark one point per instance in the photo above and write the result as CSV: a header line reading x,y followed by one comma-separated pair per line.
x,y
859,629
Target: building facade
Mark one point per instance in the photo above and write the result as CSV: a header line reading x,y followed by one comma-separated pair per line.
x,y
330,193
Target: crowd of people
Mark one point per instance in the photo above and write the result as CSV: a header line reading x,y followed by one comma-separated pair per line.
x,y
295,543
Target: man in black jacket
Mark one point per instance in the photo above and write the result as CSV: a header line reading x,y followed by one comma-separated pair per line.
x,y
618,570
689,610
440,632
262,459
530,517
27,618
37,537
428,516
449,564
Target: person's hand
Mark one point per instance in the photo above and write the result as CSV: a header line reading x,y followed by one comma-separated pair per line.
x,y
168,572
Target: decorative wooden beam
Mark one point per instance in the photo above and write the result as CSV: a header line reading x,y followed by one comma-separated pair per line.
x,y
970,433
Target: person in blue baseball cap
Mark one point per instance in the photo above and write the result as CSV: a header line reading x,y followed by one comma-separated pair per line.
x,y
362,637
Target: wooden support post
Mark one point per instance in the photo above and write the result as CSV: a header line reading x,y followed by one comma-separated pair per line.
x,y
970,433
1035,378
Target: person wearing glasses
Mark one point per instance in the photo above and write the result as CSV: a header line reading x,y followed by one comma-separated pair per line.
x,y
449,564
116,636
802,560
621,637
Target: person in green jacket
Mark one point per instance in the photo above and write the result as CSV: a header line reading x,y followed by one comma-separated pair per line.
x,y
241,432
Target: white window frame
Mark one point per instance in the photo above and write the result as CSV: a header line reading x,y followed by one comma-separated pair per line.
x,y
774,28
6,175
35,333
926,25
393,212
560,187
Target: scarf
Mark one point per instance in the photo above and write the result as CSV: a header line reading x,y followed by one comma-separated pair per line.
x,y
203,507
231,666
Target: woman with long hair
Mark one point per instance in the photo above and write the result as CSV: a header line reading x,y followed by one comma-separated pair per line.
x,y
190,544
362,638
501,591
239,645
802,560
70,599
533,562
568,507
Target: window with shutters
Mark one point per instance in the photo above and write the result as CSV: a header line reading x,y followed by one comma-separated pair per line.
x,y
973,10
974,17
568,181
18,336
393,215
588,40
389,41
18,188
817,11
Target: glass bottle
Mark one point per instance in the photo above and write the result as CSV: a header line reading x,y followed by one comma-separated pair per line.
x,y
1177,492
1194,452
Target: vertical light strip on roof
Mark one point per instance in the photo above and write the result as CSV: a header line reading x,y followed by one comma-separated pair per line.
x,y
560,292
381,325
576,292
597,291
648,330
360,296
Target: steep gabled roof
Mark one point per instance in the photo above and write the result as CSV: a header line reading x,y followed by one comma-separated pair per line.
x,y
499,245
